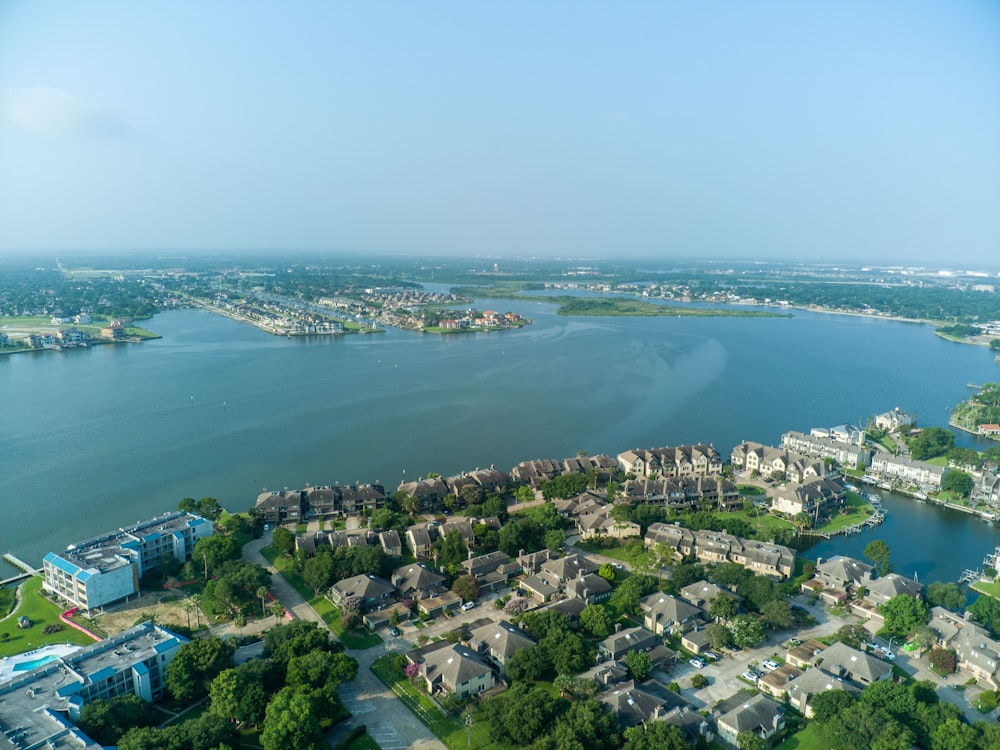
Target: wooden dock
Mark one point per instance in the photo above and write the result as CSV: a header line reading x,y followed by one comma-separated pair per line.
x,y
26,570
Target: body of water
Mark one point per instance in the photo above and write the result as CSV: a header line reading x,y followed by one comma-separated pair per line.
x,y
94,439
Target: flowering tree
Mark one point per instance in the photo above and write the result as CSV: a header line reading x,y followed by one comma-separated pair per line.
x,y
411,670
351,603
516,606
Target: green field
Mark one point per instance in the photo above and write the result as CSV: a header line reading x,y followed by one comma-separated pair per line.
x,y
42,612
808,739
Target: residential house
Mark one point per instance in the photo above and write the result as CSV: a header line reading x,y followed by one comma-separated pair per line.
x,y
907,470
278,508
817,498
683,460
433,606
374,592
492,570
841,660
701,593
498,641
884,588
634,704
534,472
804,655
892,421
849,452
531,562
417,581
617,645
987,489
560,571
429,493
775,683
538,588
757,714
591,588
381,618
452,668
814,682
844,573
663,613
419,541
391,543
978,653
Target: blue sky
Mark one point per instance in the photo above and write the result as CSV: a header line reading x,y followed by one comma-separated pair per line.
x,y
824,131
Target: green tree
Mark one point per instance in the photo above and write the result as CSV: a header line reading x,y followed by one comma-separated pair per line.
x,y
596,620
746,631
903,613
451,549
290,721
528,664
931,442
521,715
655,735
948,595
718,635
320,669
778,614
106,721
698,681
195,665
466,587
958,482
829,705
640,665
297,638
750,741
586,725
607,572
986,611
213,551
851,634
943,660
878,552
731,575
722,608
554,539
283,541
319,572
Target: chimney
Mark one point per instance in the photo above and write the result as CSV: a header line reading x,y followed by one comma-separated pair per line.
x,y
618,627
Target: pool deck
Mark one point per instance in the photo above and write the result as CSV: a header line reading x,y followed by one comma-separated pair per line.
x,y
9,664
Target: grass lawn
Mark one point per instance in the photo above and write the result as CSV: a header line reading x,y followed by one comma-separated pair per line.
x,y
808,739
323,606
617,553
856,508
42,612
990,589
763,523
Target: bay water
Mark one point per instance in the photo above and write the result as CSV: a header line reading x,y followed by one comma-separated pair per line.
x,y
94,439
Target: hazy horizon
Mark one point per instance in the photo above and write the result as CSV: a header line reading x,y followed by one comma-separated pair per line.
x,y
856,132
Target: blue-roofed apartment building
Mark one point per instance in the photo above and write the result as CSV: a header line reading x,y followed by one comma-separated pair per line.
x,y
45,703
101,571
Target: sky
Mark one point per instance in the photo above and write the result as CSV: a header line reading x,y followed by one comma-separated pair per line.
x,y
820,131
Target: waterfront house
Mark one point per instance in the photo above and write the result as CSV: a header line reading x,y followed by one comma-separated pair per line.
x,y
279,507
679,461
418,540
536,471
429,493
842,572
816,498
892,421
843,446
884,588
977,653
920,473
987,490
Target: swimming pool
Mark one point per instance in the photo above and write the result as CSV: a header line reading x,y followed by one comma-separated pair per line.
x,y
14,666
27,666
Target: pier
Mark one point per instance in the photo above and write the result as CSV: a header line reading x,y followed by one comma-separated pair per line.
x,y
970,576
27,570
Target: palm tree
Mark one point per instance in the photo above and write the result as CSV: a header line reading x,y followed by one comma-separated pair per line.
x,y
188,605
277,609
262,595
195,600
240,620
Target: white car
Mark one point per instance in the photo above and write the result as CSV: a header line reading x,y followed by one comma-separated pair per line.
x,y
696,662
769,665
468,605
750,677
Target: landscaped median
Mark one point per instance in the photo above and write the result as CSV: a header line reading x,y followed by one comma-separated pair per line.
x,y
451,730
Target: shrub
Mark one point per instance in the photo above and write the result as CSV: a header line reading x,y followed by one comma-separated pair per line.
x,y
699,681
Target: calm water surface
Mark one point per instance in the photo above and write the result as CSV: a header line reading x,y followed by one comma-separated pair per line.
x,y
99,438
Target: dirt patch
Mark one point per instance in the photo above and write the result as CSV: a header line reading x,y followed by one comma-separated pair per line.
x,y
164,607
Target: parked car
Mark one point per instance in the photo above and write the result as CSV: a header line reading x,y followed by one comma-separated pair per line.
x,y
770,665
750,677
468,605
696,662
395,631
711,656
